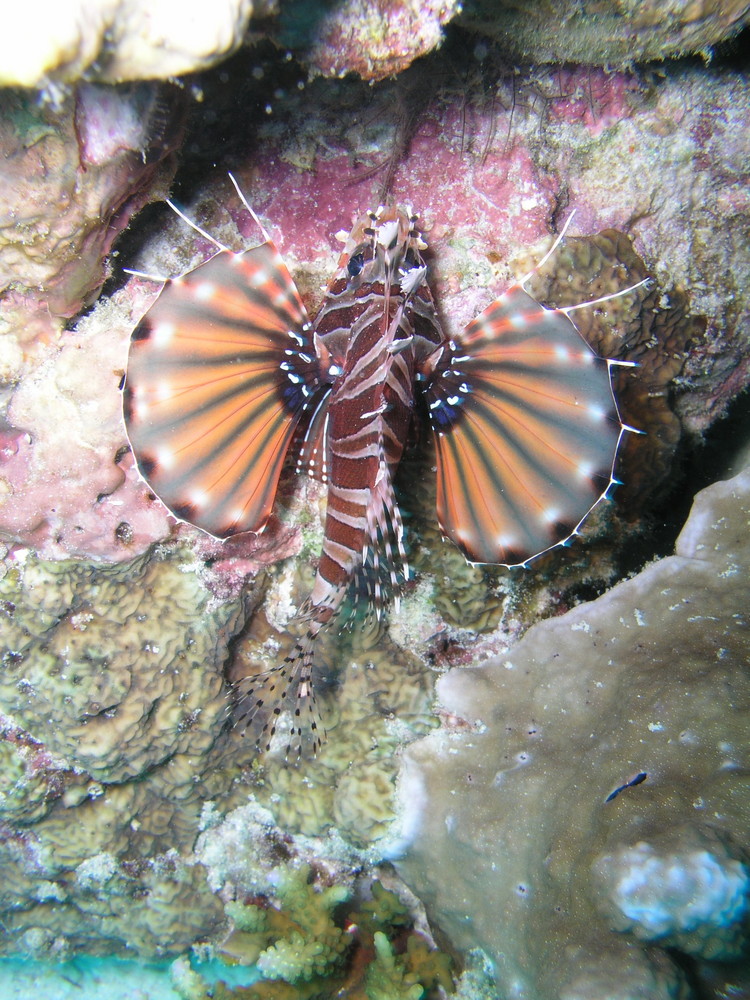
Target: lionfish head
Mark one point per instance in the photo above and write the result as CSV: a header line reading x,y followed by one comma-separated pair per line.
x,y
383,246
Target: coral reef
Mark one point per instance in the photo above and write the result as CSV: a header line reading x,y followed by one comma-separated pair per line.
x,y
73,175
104,906
375,698
118,40
300,939
304,947
76,645
615,32
372,39
592,127
30,778
113,677
107,782
516,838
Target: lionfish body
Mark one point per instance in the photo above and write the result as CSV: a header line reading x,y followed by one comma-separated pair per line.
x,y
226,371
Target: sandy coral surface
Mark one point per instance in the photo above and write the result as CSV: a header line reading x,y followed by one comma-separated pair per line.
x,y
523,826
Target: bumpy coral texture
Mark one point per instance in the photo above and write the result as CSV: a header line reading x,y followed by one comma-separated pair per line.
x,y
378,697
304,944
615,32
118,40
118,692
691,893
514,824
660,160
113,679
73,175
372,39
628,160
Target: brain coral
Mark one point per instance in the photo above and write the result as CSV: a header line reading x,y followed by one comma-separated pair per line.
x,y
115,668
113,684
512,822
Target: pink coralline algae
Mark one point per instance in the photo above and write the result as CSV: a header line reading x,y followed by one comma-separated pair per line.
x,y
73,176
376,39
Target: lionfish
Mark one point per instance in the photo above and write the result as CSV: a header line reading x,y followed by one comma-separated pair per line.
x,y
226,372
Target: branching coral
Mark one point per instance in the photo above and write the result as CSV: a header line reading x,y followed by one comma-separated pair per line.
x,y
305,950
304,940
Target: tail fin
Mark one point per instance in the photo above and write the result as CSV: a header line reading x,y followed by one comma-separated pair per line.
x,y
283,698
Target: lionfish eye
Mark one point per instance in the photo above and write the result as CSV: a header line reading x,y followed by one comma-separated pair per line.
x,y
355,265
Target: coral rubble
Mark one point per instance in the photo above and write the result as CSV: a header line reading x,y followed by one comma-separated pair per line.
x,y
517,837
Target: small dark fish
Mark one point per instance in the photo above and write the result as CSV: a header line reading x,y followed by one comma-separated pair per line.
x,y
640,777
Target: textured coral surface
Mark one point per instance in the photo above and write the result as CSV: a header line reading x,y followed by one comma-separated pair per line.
x,y
372,39
73,174
115,750
608,33
121,40
625,151
116,676
510,821
117,40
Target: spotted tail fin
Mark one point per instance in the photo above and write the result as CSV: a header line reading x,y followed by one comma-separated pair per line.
x,y
282,699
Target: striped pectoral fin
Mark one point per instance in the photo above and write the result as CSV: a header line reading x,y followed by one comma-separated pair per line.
x,y
526,430
311,441
221,369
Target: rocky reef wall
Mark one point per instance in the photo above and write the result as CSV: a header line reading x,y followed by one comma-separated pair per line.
x,y
131,810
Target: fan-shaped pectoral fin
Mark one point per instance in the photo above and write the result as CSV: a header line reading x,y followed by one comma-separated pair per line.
x,y
526,431
221,370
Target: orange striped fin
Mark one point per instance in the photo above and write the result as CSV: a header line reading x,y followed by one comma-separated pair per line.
x,y
526,430
221,369
311,447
